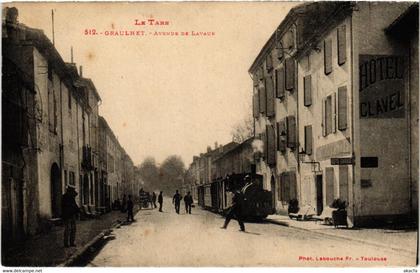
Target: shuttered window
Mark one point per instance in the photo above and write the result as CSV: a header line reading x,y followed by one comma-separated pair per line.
x,y
307,88
281,136
290,74
342,108
256,106
341,44
329,177
268,82
328,115
323,122
328,56
280,83
291,131
264,139
308,139
334,112
293,186
271,145
269,62
263,99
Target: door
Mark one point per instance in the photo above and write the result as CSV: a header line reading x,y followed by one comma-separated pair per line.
x,y
56,191
319,194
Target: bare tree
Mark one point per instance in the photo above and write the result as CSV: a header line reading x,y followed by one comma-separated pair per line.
x,y
243,130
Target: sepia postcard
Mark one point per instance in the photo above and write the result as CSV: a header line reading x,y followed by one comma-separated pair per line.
x,y
210,134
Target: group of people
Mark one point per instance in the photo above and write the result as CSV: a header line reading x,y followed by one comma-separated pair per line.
x,y
70,210
188,200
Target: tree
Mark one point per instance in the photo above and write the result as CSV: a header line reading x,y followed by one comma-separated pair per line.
x,y
243,130
149,173
172,173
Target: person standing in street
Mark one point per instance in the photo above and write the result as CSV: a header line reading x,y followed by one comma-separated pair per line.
x,y
69,212
235,211
130,206
176,200
188,202
154,199
160,201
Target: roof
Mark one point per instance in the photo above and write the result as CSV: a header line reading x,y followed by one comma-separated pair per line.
x,y
310,19
406,24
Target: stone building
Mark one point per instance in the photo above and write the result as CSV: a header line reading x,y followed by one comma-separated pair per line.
x,y
355,106
50,133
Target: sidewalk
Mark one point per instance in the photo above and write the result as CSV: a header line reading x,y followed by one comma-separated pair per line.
x,y
400,240
48,250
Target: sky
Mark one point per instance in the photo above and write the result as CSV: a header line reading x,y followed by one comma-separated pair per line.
x,y
164,95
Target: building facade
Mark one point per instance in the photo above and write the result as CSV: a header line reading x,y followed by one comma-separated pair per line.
x,y
51,130
351,109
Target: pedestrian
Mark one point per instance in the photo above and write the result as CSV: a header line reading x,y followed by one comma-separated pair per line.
x,y
69,212
124,204
154,199
235,211
160,200
188,202
130,206
176,200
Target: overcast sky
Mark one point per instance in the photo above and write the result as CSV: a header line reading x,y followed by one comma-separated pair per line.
x,y
165,95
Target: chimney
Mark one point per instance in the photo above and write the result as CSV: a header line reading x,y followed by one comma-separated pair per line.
x,y
81,71
215,145
11,15
208,149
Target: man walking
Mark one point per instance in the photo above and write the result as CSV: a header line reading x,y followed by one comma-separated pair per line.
x,y
188,202
176,200
160,201
154,199
130,206
235,211
69,211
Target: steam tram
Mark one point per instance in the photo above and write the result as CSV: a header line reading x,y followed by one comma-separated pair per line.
x,y
217,195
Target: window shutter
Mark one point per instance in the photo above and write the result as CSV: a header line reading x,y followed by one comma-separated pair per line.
x,y
342,108
308,139
291,131
256,105
281,134
307,87
290,74
269,62
328,115
270,96
280,83
271,152
292,185
334,112
341,44
327,56
286,187
263,99
264,139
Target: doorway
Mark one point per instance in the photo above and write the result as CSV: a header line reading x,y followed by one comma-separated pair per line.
x,y
56,191
319,194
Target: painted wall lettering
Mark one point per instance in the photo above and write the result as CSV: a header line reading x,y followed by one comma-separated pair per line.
x,y
381,86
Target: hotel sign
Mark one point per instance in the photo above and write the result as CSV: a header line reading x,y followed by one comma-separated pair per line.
x,y
381,86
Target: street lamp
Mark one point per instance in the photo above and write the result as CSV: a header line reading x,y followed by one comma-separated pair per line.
x,y
316,166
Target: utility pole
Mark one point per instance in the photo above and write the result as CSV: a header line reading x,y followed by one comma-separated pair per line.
x,y
52,21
